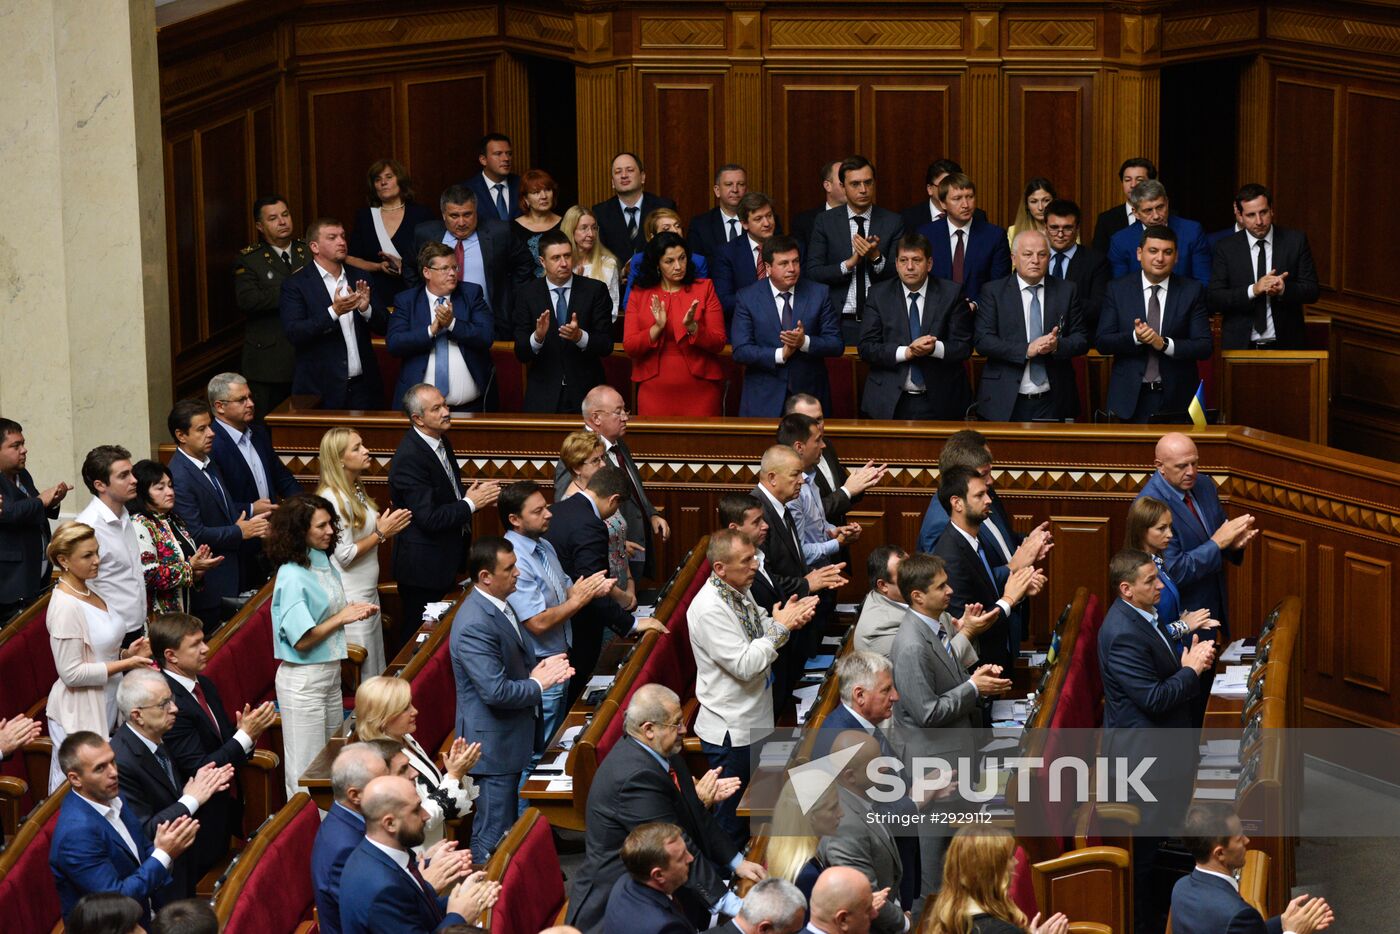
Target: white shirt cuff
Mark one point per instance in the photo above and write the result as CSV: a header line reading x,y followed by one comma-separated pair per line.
x,y
330,310
938,349
535,344
161,857
470,504
245,741
778,357
583,340
1170,348
1004,607
901,355
1249,291
806,343
189,803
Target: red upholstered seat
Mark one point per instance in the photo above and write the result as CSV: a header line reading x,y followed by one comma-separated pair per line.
x,y
27,661
841,372
510,380
27,889
244,669
1022,888
277,895
1080,705
532,884
435,697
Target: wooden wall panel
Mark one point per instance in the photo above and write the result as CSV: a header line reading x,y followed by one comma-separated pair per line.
x,y
683,119
1049,117
911,121
1306,187
1083,546
344,130
444,117
183,247
1321,655
1283,568
1368,264
1367,585
815,120
226,169
264,155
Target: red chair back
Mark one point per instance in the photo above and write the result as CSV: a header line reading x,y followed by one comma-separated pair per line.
x,y
26,660
275,892
244,668
27,889
841,374
1080,705
510,378
532,882
435,696
1022,886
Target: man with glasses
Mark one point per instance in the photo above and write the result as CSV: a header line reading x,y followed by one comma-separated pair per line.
x,y
151,784
443,330
1083,265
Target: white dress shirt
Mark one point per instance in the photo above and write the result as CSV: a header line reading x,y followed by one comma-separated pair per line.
x,y
188,684
976,545
901,355
243,440
535,343
473,263
1029,385
112,814
731,669
876,266
461,388
1253,242
1170,348
120,580
953,237
778,304
335,286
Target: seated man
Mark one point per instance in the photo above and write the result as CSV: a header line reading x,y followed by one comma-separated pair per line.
x,y
773,906
883,609
355,766
657,864
98,845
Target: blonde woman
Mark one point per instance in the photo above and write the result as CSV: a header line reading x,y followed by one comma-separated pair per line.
x,y
794,836
364,530
975,895
87,645
592,260
583,454
1030,214
662,220
384,710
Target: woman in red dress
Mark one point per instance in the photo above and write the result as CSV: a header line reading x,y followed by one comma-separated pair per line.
x,y
674,332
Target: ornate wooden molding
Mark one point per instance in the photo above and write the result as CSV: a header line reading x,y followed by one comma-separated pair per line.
x,y
196,76
1216,29
913,33
1024,34
747,32
1345,34
537,26
447,26
689,32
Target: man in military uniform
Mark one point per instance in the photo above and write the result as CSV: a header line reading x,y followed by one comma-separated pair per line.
x,y
257,279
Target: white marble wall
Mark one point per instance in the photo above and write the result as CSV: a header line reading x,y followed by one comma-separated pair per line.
x,y
84,319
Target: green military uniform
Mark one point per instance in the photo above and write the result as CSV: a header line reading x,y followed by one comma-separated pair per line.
x,y
267,356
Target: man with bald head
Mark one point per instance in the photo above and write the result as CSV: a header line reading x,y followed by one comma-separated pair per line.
x,y
356,765
1202,538
842,902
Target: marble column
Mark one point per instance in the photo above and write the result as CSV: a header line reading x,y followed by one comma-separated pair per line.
x,y
84,309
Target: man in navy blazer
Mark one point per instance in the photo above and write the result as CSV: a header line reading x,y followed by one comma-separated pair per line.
x,y
446,323
497,188
1152,209
1207,901
98,844
780,341
621,219
657,864
328,317
1154,359
390,892
499,689
984,253
24,524
202,500
1075,262
355,766
931,209
1130,174
1202,538
1030,327
735,264
721,223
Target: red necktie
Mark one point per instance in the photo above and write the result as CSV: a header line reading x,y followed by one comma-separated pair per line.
x,y
760,267
427,889
204,704
675,779
461,263
1191,505
958,255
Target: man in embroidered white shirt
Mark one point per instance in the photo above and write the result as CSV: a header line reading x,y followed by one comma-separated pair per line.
x,y
120,581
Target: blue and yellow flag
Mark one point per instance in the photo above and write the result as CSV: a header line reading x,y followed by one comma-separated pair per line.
x,y
1197,408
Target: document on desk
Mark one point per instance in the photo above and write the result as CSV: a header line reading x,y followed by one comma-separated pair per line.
x,y
1222,747
847,607
1237,652
570,736
599,681
1216,794
1232,683
1217,775
805,697
561,784
1009,710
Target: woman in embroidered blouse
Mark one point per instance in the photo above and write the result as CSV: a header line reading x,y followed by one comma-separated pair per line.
x,y
592,260
582,453
170,559
309,615
1150,530
87,645
384,710
344,459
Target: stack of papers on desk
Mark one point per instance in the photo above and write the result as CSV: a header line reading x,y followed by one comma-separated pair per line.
x,y
551,765
847,607
643,610
1232,683
775,755
561,784
805,697
599,681
1008,712
567,740
1037,659
833,641
434,611
1238,652
1216,794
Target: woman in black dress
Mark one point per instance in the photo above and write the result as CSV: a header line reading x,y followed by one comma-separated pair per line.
x,y
538,194
381,238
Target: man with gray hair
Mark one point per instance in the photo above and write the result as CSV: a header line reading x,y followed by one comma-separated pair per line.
x,y
150,783
644,779
773,906
1152,209
343,828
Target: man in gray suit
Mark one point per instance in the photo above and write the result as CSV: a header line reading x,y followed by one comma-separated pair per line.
x,y
938,712
884,607
862,842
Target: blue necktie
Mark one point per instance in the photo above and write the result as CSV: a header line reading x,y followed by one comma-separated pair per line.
x,y
916,375
981,554
561,305
218,487
1058,270
559,588
501,208
1035,329
441,347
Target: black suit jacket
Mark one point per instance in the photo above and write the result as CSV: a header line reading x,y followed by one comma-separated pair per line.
x,y
612,224
581,539
970,584
561,374
782,554
1088,269
630,789
637,513
803,223
917,215
192,743
154,800
506,260
24,536
1000,336
835,502
830,246
1232,270
322,365
944,315
486,201
708,232
1184,321
431,551
1108,224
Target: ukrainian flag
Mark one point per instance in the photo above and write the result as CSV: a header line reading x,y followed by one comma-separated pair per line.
x,y
1197,408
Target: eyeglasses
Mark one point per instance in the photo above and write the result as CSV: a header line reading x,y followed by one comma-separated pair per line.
x,y
452,268
169,701
1061,228
598,461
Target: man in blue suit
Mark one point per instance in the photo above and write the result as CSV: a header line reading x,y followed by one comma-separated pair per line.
x,y
723,222
391,892
782,328
1150,206
658,863
1202,538
499,689
1154,323
202,500
1208,900
97,844
497,188
443,331
356,765
737,263
966,250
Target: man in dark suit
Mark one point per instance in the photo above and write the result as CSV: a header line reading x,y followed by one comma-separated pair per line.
x,y
500,685
151,786
773,906
1131,173
1087,268
835,197
657,864
738,263
782,328
487,255
258,274
355,766
1261,278
964,496
620,219
840,489
328,317
1207,901
203,502
443,331
562,330
98,844
24,524
851,251
202,733
1030,327
496,187
931,209
644,779
390,892
1202,538
966,251
1155,325
721,223
579,534
425,479
916,338
745,513
1152,209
